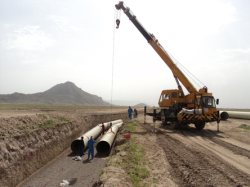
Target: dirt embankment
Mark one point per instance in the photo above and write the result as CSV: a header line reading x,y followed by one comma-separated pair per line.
x,y
29,142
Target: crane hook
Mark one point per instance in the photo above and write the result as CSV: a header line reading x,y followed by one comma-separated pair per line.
x,y
117,23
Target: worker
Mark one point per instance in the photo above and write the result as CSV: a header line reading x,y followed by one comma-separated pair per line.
x,y
130,112
110,127
103,129
135,113
81,148
90,145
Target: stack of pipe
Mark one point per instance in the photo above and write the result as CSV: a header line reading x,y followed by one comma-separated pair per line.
x,y
94,132
238,114
104,145
234,114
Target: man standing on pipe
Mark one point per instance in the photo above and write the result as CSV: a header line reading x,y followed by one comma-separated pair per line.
x,y
90,145
103,129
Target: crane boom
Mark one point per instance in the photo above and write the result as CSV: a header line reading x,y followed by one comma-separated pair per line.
x,y
178,74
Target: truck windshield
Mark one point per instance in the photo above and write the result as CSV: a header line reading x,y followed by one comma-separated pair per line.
x,y
208,102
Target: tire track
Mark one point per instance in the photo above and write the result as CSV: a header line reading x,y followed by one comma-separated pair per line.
x,y
196,166
234,148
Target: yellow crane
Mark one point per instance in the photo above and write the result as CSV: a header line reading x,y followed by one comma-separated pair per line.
x,y
196,107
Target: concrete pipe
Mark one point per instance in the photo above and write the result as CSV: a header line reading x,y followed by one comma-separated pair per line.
x,y
238,114
104,145
94,132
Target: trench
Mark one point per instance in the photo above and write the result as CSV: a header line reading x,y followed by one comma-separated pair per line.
x,y
42,145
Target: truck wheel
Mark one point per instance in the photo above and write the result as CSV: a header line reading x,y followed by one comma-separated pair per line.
x,y
177,125
200,125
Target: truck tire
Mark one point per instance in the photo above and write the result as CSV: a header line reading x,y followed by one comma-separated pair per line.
x,y
200,125
178,125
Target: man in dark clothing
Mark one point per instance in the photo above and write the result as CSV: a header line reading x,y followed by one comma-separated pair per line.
x,y
90,145
103,129
135,113
81,148
110,127
130,111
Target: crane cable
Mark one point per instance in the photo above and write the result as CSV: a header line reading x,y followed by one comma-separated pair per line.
x,y
115,26
195,79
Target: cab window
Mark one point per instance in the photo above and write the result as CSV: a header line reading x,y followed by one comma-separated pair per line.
x,y
208,102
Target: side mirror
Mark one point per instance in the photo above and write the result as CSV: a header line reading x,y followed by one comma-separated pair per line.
x,y
217,101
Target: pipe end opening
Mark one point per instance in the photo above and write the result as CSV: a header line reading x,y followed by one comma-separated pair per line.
x,y
77,147
103,148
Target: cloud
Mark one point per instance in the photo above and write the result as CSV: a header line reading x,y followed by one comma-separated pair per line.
x,y
64,23
234,55
238,51
189,23
28,38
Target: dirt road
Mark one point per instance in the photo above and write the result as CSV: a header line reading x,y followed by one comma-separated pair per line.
x,y
63,168
207,157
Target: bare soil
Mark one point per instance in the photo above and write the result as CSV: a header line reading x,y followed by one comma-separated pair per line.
x,y
189,157
173,157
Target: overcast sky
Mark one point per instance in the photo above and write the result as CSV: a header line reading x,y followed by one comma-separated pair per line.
x,y
44,42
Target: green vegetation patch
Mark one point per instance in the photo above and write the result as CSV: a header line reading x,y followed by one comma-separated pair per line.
x,y
49,123
136,168
132,126
130,157
244,126
134,163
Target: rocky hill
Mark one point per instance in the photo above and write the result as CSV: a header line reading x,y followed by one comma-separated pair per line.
x,y
65,93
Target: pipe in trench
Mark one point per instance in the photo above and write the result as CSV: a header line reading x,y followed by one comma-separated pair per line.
x,y
103,147
94,132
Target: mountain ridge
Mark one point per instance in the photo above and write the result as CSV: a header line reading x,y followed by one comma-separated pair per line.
x,y
63,93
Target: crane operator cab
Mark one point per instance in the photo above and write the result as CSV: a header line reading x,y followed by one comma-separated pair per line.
x,y
169,98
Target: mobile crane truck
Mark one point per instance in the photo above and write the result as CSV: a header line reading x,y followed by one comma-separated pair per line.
x,y
197,107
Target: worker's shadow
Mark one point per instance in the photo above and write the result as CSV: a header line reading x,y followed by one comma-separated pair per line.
x,y
86,161
102,155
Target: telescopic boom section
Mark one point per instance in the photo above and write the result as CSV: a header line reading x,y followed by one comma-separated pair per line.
x,y
158,48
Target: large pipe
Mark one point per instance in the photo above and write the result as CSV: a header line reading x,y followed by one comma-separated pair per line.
x,y
239,114
94,132
224,115
104,145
